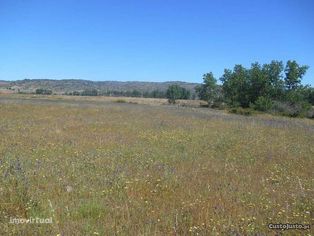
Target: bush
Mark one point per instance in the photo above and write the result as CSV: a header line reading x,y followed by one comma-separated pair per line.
x,y
218,105
285,109
263,104
300,109
310,113
120,101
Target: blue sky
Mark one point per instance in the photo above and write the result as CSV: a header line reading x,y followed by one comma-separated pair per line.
x,y
150,40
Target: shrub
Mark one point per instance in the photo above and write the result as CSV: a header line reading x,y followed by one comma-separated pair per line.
x,y
241,111
120,101
218,105
310,113
300,109
263,104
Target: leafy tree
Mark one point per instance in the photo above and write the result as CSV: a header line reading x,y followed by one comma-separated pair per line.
x,y
258,83
184,93
294,73
275,83
236,86
310,96
208,91
299,95
266,81
175,92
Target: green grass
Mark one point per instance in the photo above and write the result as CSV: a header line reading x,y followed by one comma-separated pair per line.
x,y
122,169
120,101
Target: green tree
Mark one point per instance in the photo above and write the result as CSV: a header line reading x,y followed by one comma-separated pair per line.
x,y
310,96
266,81
185,94
275,83
258,84
175,92
294,73
236,86
208,90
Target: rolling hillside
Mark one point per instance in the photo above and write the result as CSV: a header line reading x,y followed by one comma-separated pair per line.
x,y
60,86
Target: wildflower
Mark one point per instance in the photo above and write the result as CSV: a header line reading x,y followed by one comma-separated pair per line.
x,y
69,188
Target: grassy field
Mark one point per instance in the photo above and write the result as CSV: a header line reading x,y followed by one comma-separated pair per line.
x,y
98,166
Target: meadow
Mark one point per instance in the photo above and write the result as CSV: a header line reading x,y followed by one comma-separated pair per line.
x,y
103,166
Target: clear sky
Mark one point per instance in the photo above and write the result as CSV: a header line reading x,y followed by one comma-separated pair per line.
x,y
150,40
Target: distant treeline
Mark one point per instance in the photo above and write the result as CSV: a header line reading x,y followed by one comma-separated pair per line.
x,y
133,93
272,87
43,91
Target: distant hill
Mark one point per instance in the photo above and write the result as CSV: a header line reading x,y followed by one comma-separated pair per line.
x,y
4,83
62,86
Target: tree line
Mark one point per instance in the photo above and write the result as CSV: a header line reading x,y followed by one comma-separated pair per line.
x,y
173,92
272,87
117,93
269,87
